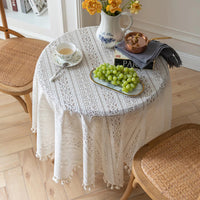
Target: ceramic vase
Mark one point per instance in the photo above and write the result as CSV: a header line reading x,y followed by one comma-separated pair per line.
x,y
109,31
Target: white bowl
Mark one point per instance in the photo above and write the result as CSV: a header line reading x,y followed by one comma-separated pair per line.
x,y
66,50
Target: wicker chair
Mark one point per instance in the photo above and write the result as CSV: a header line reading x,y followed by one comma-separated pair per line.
x,y
168,167
18,57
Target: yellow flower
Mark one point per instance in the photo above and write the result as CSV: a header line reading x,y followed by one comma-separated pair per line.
x,y
113,6
117,2
92,6
135,7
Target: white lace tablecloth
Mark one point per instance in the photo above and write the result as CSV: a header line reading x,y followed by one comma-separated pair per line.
x,y
79,123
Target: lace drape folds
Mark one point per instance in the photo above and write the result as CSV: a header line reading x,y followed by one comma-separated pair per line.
x,y
83,124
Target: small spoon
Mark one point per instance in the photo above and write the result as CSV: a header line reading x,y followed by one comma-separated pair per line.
x,y
55,76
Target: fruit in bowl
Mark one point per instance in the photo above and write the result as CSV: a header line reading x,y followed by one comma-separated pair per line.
x,y
136,42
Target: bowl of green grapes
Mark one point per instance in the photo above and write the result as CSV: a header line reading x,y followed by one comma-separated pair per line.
x,y
119,78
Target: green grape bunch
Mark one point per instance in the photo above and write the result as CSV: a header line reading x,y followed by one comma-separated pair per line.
x,y
119,75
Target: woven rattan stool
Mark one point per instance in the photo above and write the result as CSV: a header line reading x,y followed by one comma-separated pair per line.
x,y
168,167
18,57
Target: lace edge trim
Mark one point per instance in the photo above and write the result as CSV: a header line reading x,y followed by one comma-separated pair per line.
x,y
45,158
69,178
85,187
118,187
127,168
33,130
88,187
112,186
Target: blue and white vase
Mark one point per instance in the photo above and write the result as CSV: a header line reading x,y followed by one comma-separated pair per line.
x,y
109,31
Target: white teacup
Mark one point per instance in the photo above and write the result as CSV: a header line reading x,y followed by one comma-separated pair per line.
x,y
66,50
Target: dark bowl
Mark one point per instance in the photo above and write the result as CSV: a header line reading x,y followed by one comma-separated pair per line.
x,y
132,45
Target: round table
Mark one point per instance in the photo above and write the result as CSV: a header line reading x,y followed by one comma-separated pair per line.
x,y
82,124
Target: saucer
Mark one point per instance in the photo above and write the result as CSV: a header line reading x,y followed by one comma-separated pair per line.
x,y
75,60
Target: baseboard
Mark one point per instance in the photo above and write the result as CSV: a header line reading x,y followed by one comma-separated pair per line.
x,y
190,61
168,31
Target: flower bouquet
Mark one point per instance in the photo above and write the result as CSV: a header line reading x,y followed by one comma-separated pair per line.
x,y
110,32
111,7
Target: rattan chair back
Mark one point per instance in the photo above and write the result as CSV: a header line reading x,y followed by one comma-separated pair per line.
x,y
168,167
18,57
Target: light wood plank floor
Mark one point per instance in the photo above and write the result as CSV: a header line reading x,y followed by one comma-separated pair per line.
x,y
23,177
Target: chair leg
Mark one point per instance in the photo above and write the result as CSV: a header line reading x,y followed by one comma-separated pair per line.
x,y
28,104
135,183
22,102
129,188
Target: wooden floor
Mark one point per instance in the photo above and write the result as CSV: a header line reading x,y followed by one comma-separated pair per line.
x,y
23,177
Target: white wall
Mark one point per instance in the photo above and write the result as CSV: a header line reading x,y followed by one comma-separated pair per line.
x,y
76,17
92,20
177,18
183,15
